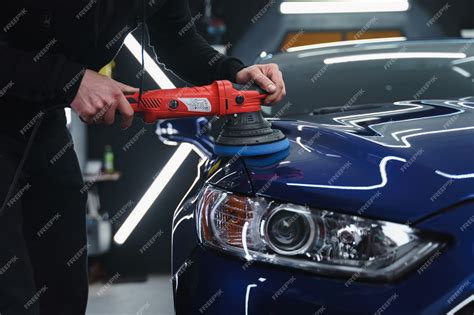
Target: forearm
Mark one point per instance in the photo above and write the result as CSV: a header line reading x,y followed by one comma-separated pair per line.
x,y
49,79
195,61
183,50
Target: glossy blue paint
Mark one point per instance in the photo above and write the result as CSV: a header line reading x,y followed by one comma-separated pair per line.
x,y
414,162
320,147
343,160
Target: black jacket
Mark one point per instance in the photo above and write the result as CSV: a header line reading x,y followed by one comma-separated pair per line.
x,y
45,45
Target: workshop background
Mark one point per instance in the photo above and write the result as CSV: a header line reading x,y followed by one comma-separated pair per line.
x,y
133,276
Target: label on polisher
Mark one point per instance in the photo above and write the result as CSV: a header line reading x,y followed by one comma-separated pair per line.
x,y
197,104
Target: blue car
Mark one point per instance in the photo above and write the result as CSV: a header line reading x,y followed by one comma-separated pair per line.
x,y
370,210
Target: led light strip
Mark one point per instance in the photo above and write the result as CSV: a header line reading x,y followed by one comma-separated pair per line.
x,y
347,6
160,182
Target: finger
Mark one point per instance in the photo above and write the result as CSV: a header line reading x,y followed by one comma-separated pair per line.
x,y
87,114
264,82
277,78
126,88
126,111
275,97
109,116
101,108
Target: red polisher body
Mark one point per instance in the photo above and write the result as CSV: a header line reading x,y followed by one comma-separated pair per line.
x,y
220,98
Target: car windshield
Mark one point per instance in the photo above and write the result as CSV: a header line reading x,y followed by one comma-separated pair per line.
x,y
319,80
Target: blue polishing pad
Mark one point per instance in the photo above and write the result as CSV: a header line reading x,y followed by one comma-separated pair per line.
x,y
264,161
252,150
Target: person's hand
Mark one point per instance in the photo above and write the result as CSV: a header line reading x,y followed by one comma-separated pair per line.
x,y
99,97
266,76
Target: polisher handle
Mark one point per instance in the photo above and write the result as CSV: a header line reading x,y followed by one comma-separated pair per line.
x,y
252,87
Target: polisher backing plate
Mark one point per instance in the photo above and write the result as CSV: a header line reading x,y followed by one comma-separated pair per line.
x,y
249,134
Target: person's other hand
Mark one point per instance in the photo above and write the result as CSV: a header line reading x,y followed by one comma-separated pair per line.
x,y
266,76
99,97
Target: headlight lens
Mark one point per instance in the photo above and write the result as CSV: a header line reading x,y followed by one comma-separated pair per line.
x,y
325,242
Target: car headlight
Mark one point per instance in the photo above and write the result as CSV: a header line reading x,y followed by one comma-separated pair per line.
x,y
325,242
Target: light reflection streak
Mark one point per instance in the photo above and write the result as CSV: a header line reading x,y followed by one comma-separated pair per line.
x,y
383,175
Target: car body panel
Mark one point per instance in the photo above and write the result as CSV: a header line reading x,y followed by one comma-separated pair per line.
x,y
410,162
381,155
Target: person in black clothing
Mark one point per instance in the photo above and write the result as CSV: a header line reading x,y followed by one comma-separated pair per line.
x,y
50,52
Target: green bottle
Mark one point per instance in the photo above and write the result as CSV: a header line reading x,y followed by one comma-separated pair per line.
x,y
108,159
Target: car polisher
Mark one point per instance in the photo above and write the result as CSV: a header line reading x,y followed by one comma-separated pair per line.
x,y
245,132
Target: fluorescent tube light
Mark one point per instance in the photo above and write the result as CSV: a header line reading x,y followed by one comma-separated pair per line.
x,y
151,66
174,163
345,6
68,113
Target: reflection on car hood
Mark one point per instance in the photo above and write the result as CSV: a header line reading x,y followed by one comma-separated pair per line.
x,y
398,162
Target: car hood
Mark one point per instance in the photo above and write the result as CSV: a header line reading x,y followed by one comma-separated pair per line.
x,y
398,162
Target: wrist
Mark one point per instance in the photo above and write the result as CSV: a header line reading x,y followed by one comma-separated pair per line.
x,y
229,69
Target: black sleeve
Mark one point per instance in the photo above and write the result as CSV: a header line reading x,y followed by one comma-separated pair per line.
x,y
51,80
183,50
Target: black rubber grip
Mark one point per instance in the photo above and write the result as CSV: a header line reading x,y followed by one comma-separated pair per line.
x,y
252,87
